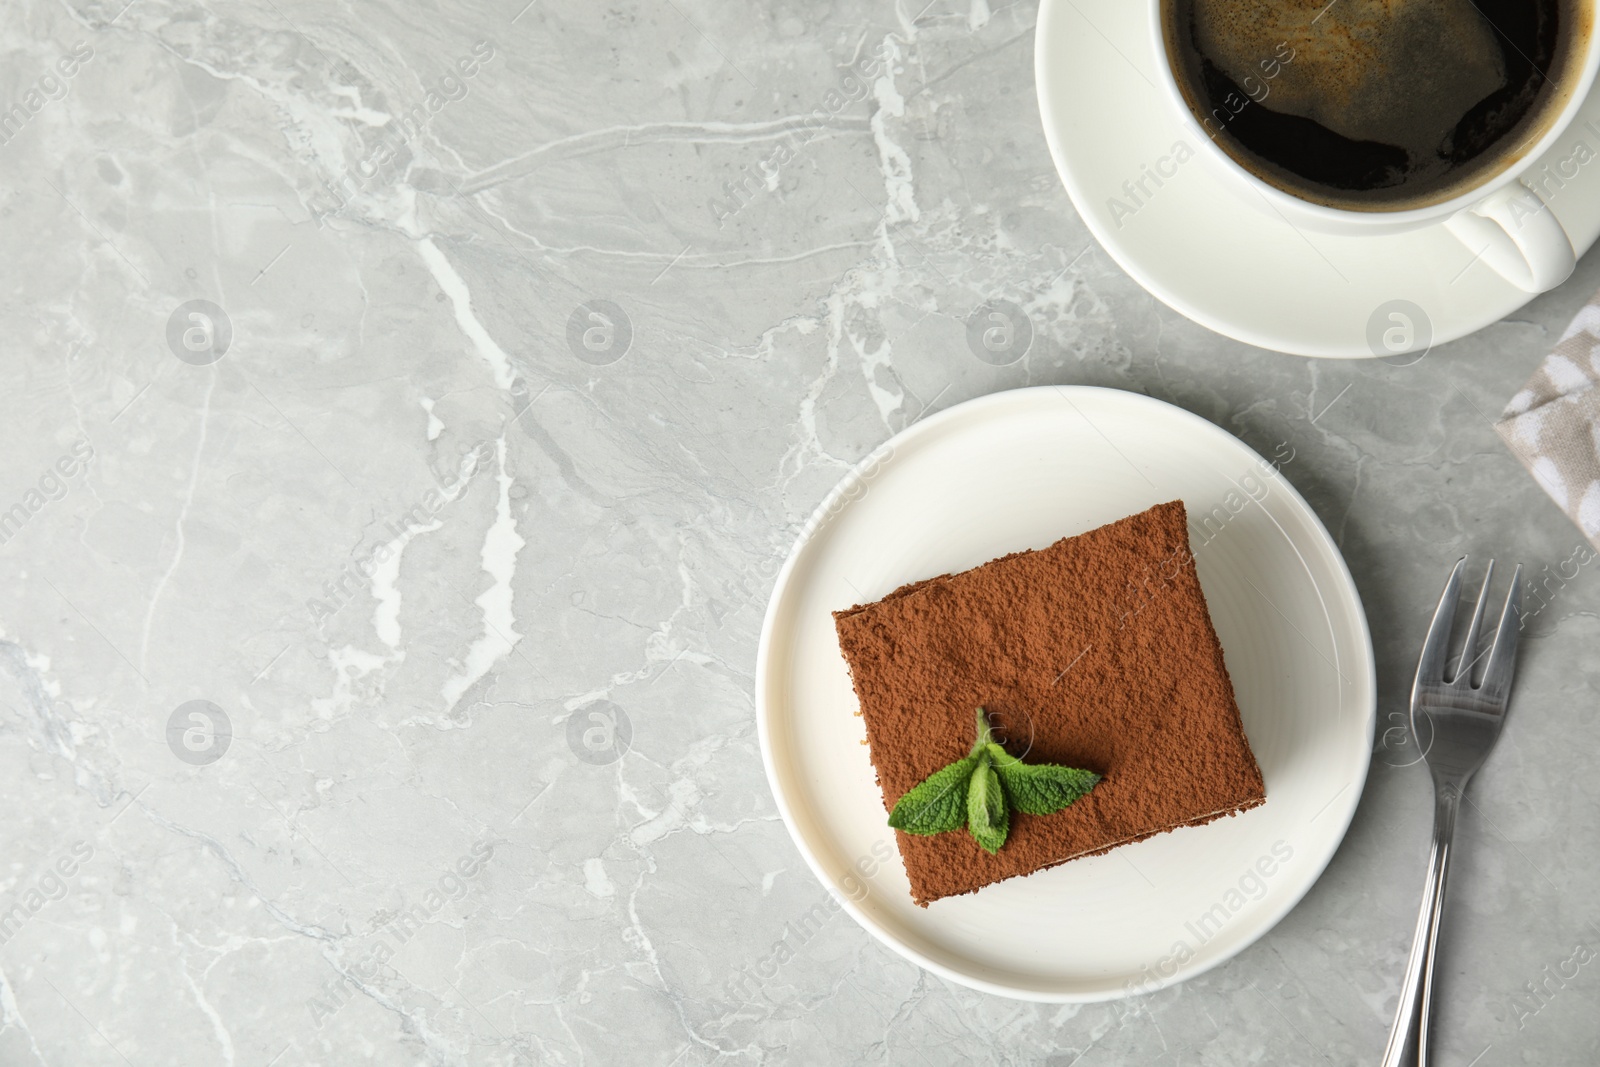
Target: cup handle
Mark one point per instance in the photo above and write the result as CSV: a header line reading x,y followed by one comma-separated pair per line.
x,y
1519,236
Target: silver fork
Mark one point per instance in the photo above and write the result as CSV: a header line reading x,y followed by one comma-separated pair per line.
x,y
1465,722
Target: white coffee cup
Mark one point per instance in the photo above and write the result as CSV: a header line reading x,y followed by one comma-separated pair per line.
x,y
1500,219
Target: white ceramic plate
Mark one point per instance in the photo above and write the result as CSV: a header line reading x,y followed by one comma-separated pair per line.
x,y
1223,260
1020,470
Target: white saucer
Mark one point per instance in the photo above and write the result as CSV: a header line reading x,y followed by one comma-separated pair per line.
x,y
1226,263
1020,470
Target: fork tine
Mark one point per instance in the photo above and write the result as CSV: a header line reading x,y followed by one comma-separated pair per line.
x,y
1469,650
1503,656
1430,667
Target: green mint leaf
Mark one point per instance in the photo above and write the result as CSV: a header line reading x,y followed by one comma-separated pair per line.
x,y
937,803
987,819
1038,788
985,734
982,788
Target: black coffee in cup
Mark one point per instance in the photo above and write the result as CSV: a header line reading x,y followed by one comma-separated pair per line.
x,y
1377,105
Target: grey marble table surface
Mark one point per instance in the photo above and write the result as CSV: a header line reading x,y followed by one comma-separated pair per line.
x,y
404,407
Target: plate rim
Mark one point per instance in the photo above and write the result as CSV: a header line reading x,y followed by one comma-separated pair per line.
x,y
763,681
1481,314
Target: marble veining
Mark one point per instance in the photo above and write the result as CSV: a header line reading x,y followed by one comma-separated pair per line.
x,y
405,412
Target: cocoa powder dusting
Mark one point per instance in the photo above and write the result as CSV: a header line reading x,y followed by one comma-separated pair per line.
x,y
1095,652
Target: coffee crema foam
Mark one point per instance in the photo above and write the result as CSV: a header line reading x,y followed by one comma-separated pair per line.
x,y
1375,104
1359,58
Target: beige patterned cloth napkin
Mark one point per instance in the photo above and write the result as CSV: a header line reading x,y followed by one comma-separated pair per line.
x,y
1553,424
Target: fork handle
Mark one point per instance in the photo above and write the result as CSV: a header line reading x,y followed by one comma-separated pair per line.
x,y
1416,991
